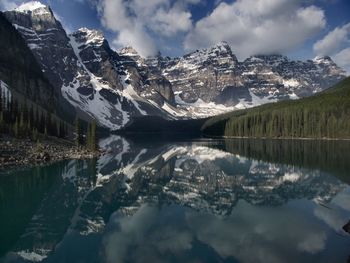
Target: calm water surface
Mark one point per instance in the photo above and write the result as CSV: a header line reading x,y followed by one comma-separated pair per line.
x,y
195,201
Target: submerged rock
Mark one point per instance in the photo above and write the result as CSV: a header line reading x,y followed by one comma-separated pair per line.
x,y
346,228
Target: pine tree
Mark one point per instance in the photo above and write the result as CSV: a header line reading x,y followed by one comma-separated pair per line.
x,y
31,118
0,99
35,134
42,123
48,124
21,121
88,137
93,141
2,123
16,128
78,132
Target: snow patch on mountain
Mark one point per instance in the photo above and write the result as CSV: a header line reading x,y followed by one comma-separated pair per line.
x,y
291,82
97,107
199,109
130,93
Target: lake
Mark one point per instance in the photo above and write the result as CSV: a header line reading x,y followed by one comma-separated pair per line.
x,y
238,200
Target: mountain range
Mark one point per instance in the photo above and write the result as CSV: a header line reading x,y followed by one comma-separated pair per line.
x,y
115,87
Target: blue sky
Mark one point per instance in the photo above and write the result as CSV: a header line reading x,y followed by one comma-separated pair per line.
x,y
300,29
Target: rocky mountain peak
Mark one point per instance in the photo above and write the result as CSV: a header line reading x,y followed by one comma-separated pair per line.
x,y
32,6
33,15
221,50
222,46
89,36
323,60
36,9
128,51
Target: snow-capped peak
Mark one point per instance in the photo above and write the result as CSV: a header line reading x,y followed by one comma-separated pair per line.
x,y
323,59
222,44
89,31
128,51
30,7
220,47
89,36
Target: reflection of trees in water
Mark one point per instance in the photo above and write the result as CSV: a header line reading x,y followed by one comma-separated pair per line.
x,y
40,203
21,192
326,155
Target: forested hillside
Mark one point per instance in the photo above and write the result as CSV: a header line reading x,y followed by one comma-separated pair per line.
x,y
325,115
30,107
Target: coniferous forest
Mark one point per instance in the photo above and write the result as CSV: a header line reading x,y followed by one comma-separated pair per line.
x,y
28,120
325,115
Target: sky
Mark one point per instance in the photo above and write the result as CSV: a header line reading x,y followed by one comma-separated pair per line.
x,y
300,29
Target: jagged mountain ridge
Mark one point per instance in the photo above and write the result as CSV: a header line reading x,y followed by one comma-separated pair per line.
x,y
115,87
215,75
211,81
82,66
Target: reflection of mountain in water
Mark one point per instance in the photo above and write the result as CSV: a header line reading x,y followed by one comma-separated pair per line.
x,y
196,175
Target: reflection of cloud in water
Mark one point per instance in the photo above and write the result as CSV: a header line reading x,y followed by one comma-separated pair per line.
x,y
240,208
259,234
313,243
147,235
251,234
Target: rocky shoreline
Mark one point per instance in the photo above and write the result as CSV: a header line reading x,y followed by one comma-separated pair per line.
x,y
25,152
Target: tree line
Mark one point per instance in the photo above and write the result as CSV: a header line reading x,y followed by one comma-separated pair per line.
x,y
325,115
86,138
27,120
300,122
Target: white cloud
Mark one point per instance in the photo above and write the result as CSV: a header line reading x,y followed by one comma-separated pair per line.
x,y
332,41
342,58
136,21
257,26
336,44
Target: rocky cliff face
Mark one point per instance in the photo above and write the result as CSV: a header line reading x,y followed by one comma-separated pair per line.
x,y
215,75
23,76
115,87
211,81
92,77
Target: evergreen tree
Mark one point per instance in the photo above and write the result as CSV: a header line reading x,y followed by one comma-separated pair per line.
x,y
0,99
16,128
78,132
2,123
93,136
88,136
